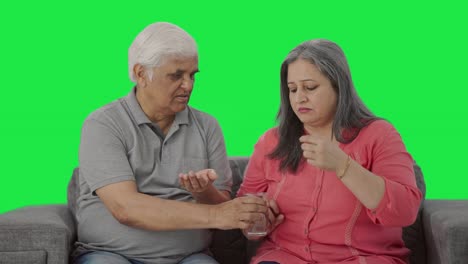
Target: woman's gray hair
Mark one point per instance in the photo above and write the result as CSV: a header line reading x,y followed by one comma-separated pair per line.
x,y
351,114
157,42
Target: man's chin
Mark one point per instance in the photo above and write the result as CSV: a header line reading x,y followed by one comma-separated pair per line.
x,y
180,108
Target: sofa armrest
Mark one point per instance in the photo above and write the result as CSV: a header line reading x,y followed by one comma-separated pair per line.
x,y
446,230
45,233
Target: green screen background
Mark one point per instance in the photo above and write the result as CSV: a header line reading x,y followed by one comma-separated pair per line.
x,y
62,60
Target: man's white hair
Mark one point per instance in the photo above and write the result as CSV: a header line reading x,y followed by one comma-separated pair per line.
x,y
157,42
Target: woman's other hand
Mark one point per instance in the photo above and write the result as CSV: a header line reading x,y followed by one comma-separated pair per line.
x,y
323,152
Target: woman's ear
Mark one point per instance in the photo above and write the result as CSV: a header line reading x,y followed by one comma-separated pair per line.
x,y
140,75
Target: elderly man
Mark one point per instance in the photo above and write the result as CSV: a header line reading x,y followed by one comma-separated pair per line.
x,y
154,174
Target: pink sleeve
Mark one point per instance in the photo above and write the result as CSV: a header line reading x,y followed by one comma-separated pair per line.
x,y
254,175
401,200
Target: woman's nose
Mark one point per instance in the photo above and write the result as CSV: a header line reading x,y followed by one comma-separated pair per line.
x,y
300,96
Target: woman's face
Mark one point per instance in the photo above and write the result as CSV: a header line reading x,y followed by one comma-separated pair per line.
x,y
311,94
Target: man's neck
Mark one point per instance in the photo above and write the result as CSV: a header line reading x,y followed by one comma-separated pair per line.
x,y
157,116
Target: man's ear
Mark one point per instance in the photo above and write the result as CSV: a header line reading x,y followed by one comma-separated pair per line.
x,y
140,74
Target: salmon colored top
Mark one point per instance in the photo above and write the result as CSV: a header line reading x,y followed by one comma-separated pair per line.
x,y
324,222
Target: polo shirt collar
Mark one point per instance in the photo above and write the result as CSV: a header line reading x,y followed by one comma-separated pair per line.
x,y
135,108
181,118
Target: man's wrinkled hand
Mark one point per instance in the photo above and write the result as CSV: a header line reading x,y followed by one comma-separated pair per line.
x,y
241,212
274,217
197,182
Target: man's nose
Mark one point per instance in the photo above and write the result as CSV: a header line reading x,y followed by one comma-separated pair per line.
x,y
187,84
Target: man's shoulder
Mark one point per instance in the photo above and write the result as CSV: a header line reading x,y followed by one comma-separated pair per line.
x,y
107,113
202,117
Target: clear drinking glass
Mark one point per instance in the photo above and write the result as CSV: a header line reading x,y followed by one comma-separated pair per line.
x,y
260,227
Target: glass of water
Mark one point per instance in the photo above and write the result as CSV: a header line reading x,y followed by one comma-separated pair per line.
x,y
260,227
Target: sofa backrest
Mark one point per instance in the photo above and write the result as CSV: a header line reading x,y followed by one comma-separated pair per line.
x,y
73,192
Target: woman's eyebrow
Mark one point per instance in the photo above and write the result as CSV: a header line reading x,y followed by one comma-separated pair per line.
x,y
304,80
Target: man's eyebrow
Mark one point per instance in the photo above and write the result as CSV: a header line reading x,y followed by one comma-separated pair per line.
x,y
180,71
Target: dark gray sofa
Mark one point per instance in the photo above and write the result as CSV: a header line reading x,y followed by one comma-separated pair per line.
x,y
45,234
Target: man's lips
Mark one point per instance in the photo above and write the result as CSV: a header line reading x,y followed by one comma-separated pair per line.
x,y
182,98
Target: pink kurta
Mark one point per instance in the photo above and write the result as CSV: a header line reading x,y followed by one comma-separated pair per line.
x,y
324,222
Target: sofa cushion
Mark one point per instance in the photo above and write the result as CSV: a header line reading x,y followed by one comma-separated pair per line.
x,y
27,231
446,226
24,257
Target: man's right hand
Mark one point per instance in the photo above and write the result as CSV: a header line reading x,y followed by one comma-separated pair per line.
x,y
275,218
240,213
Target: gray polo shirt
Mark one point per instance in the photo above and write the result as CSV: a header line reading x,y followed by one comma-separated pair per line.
x,y
119,143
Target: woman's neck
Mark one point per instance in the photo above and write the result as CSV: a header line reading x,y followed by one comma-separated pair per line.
x,y
322,131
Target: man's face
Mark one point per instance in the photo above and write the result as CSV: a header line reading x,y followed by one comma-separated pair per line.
x,y
172,83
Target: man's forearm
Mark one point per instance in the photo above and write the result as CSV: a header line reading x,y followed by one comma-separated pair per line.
x,y
212,196
152,213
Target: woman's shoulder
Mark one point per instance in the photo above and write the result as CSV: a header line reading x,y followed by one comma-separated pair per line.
x,y
378,127
270,135
268,140
376,131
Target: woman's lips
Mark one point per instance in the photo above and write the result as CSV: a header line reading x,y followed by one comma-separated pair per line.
x,y
304,110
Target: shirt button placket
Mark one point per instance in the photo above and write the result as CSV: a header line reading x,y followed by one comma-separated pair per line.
x,y
164,151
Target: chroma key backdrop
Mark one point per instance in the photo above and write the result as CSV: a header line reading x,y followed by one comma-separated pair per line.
x,y
61,60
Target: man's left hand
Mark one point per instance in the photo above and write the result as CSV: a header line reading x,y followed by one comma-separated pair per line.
x,y
197,182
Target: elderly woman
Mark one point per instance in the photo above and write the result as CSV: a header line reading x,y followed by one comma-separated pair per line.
x,y
340,176
154,175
